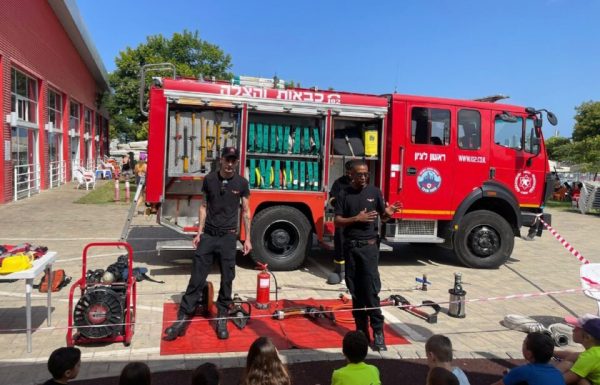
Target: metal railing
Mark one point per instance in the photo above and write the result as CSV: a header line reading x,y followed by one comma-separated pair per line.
x,y
57,171
26,180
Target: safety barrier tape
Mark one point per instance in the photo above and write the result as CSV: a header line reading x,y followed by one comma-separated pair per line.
x,y
564,242
320,311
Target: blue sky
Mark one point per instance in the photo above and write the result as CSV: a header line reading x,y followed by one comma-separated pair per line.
x,y
542,53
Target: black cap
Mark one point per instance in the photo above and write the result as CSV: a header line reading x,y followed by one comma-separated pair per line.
x,y
230,152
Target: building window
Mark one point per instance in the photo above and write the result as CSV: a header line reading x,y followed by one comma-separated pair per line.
x,y
509,133
430,126
74,116
55,109
469,129
87,121
23,96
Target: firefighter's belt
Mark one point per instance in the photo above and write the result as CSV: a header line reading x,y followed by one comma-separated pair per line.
x,y
240,313
217,232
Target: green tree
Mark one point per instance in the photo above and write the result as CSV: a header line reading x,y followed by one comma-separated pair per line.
x,y
554,144
190,55
587,121
586,153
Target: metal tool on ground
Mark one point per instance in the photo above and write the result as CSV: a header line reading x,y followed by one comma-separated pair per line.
x,y
404,304
308,311
186,160
202,144
457,298
423,281
106,311
192,137
240,312
177,137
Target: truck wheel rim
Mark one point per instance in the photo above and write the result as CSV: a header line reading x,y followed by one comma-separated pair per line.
x,y
281,238
483,241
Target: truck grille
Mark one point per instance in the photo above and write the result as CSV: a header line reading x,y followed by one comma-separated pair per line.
x,y
415,228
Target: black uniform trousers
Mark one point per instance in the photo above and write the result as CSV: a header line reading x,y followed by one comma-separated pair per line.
x,y
221,246
338,246
364,284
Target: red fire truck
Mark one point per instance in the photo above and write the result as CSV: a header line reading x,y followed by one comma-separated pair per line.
x,y
467,174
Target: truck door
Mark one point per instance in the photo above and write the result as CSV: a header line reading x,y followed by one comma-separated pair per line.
x,y
472,146
515,160
422,141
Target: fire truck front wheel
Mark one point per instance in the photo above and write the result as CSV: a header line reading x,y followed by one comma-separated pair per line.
x,y
484,240
281,237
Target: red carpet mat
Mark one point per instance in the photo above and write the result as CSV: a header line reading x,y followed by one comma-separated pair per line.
x,y
297,332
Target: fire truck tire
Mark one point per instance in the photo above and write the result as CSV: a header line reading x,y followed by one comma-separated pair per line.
x,y
484,240
281,237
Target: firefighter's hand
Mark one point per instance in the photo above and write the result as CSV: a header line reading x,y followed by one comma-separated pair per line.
x,y
366,216
391,210
196,240
247,247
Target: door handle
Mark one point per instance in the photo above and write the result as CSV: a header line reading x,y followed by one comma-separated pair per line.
x,y
411,171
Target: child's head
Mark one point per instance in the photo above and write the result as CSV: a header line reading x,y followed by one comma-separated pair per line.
x,y
355,346
587,329
441,376
64,363
263,364
206,374
538,348
438,349
135,373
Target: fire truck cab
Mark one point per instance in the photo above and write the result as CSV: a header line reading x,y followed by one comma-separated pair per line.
x,y
467,175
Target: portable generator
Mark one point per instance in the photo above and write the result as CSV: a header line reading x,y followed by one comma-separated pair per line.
x,y
106,308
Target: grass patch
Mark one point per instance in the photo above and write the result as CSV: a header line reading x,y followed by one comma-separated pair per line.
x,y
558,204
105,193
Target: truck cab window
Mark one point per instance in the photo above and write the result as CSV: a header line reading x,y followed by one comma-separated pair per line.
x,y
509,134
430,126
469,129
531,145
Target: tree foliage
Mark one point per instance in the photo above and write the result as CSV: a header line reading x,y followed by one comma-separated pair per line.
x,y
587,121
190,55
554,144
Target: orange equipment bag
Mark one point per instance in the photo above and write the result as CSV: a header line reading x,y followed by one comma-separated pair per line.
x,y
59,280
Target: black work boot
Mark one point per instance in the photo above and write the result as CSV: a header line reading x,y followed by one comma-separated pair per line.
x,y
379,341
178,328
222,332
337,276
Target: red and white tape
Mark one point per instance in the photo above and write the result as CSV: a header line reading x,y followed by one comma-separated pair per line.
x,y
564,242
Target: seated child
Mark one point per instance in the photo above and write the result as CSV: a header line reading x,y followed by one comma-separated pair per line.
x,y
356,372
441,376
438,349
537,350
64,365
582,368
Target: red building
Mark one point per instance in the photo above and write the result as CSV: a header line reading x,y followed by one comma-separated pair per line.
x,y
52,83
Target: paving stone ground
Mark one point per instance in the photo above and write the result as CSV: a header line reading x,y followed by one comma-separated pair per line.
x,y
52,219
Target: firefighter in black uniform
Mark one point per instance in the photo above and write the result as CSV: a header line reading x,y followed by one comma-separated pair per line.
x,y
338,186
216,239
356,210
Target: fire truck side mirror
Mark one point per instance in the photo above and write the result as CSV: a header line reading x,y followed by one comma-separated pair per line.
x,y
552,118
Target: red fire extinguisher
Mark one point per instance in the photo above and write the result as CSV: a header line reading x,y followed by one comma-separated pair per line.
x,y
263,286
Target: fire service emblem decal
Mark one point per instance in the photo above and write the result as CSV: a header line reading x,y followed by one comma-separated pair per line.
x,y
429,180
525,182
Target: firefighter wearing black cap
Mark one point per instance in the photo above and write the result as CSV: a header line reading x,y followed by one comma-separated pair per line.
x,y
339,268
216,239
357,210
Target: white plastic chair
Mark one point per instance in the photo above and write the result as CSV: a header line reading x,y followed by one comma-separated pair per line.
x,y
591,272
84,178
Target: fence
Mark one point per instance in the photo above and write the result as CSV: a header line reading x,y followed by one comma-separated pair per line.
x,y
26,180
57,173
